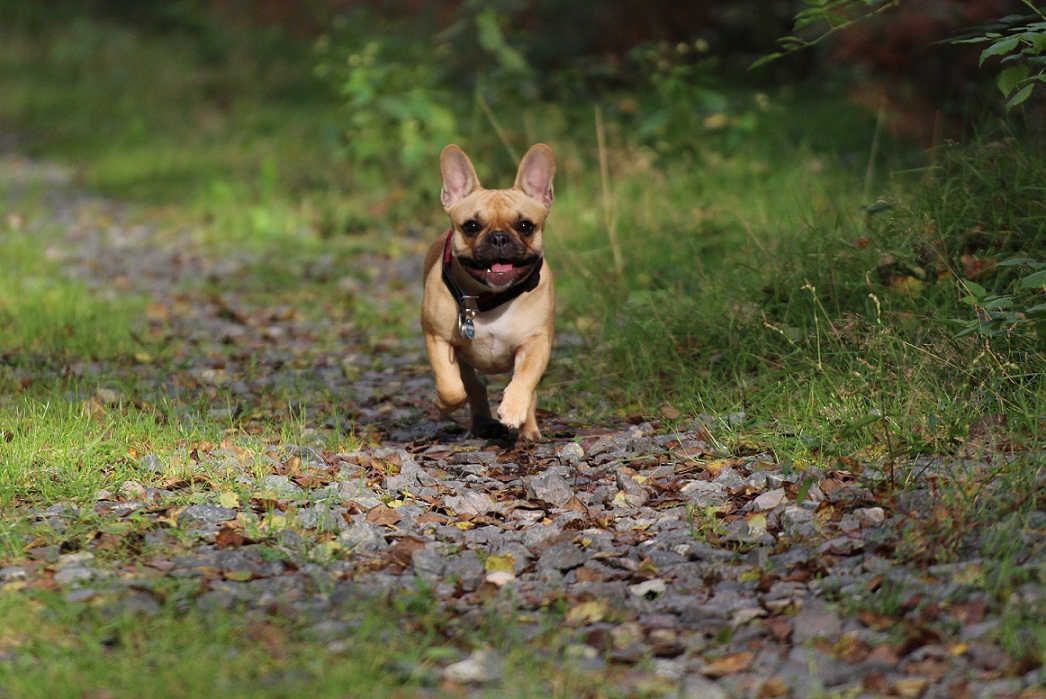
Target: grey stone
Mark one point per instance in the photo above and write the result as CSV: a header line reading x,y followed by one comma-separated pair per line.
x,y
470,502
815,620
549,488
769,500
696,686
13,573
363,537
75,575
357,492
428,564
729,478
563,556
632,493
571,453
481,667
323,516
205,514
280,486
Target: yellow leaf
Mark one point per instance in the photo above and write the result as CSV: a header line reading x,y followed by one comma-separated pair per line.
x,y
757,525
239,575
464,526
750,575
230,500
972,575
506,563
911,688
589,612
714,467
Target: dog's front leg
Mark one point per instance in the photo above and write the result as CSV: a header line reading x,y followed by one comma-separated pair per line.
x,y
519,405
450,389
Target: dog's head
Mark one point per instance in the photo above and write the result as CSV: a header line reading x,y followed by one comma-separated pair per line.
x,y
497,233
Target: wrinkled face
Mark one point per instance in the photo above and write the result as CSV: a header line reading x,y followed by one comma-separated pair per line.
x,y
498,235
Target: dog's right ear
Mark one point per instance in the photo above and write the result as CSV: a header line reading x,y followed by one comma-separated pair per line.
x,y
459,177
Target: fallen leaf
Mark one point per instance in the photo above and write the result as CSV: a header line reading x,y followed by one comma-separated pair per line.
x,y
670,412
589,612
506,563
756,524
780,627
910,688
405,546
729,664
383,515
587,575
774,687
229,538
229,500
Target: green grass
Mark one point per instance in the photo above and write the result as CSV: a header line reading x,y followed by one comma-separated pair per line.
x,y
393,649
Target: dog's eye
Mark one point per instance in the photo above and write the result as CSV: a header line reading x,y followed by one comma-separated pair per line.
x,y
472,226
526,227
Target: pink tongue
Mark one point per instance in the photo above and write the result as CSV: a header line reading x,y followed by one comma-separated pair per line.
x,y
500,267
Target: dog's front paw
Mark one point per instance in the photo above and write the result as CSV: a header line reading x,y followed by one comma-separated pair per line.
x,y
514,408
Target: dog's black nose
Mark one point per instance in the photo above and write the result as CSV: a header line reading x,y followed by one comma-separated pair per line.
x,y
499,240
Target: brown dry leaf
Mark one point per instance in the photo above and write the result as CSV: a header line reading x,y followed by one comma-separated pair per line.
x,y
973,267
400,552
575,505
383,515
780,627
883,654
311,481
910,687
877,683
587,575
931,667
729,664
289,467
176,483
879,622
267,504
431,517
229,538
670,412
774,687
714,467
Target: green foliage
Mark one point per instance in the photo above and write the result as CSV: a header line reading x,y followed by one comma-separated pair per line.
x,y
408,96
1020,44
838,15
684,104
1002,314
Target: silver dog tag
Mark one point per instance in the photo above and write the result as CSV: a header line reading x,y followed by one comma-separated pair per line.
x,y
466,326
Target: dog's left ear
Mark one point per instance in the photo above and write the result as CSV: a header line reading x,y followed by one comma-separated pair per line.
x,y
535,174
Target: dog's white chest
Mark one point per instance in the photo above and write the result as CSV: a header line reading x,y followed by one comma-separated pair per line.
x,y
498,335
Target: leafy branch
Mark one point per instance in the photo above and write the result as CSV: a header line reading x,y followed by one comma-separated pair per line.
x,y
837,14
1021,43
1018,41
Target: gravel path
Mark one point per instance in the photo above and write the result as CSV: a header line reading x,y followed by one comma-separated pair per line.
x,y
716,574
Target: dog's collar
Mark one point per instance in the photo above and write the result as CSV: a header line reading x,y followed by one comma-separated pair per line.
x,y
468,305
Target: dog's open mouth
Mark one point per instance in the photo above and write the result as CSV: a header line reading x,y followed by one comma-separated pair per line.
x,y
500,274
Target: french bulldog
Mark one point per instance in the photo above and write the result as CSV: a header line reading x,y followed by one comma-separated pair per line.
x,y
488,305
